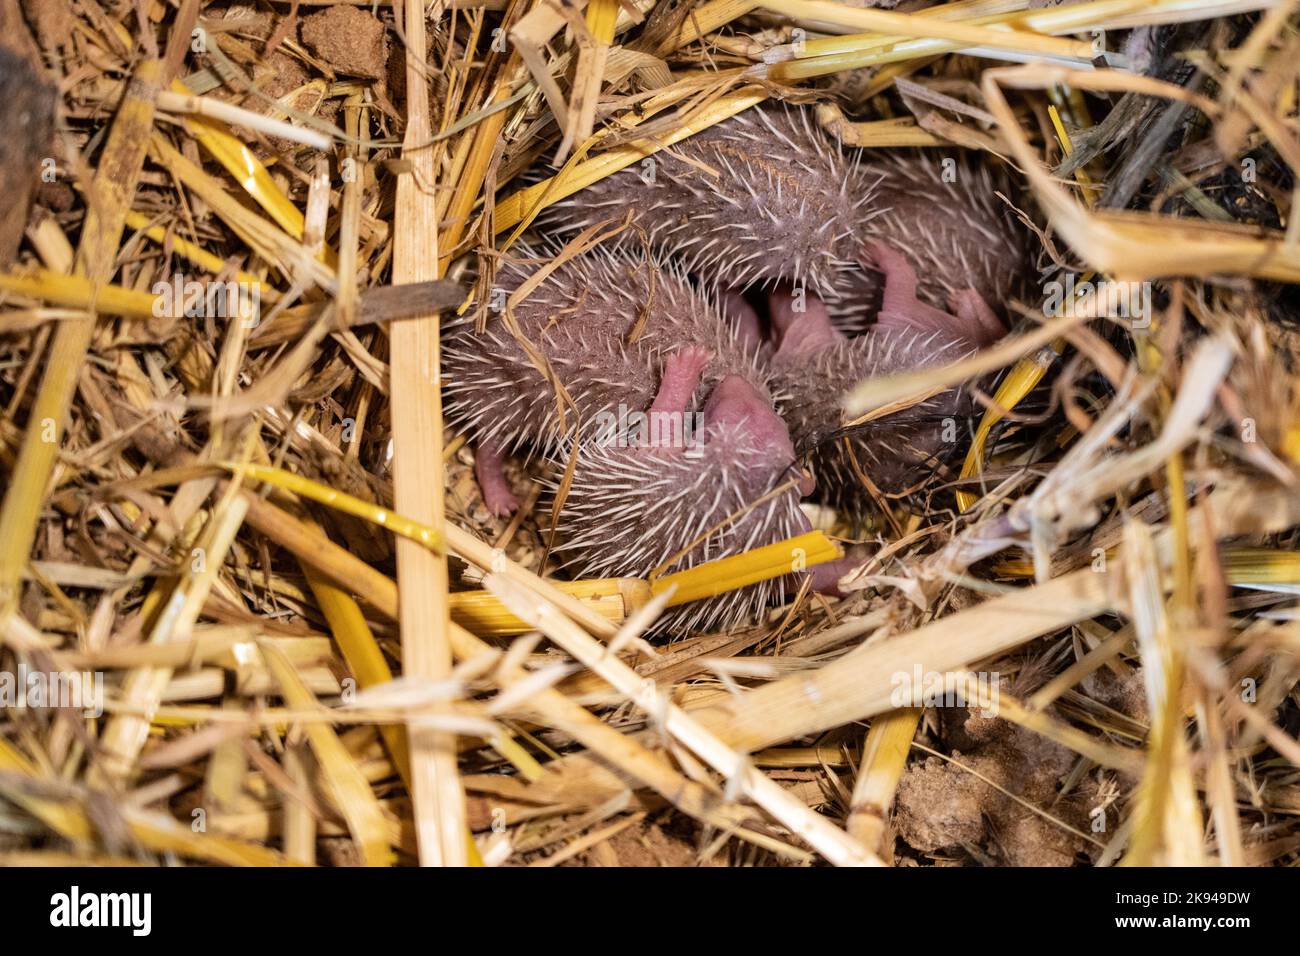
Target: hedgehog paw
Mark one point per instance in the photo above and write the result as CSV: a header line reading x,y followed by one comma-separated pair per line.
x,y
681,375
501,502
970,319
687,363
490,471
900,277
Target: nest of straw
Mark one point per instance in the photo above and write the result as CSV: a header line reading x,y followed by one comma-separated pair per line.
x,y
252,611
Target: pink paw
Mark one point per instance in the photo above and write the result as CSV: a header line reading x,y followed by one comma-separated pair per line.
x,y
489,469
688,362
971,319
883,258
826,577
681,375
500,500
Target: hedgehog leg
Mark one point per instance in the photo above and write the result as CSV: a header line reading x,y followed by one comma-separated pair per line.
x,y
900,278
489,469
826,576
973,320
677,383
680,377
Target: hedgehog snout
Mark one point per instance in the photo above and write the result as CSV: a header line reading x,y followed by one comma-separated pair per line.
x,y
736,404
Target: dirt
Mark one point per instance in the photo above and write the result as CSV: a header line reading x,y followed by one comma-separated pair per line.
x,y
396,71
649,844
942,807
275,76
57,196
338,851
280,74
1125,694
349,39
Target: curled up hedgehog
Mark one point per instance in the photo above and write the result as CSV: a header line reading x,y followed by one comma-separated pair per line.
x,y
768,201
641,505
608,359
586,345
761,199
815,365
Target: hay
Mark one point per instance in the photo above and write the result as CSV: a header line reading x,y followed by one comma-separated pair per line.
x,y
246,535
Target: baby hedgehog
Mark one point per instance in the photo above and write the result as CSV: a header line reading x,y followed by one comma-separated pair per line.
x,y
768,198
815,365
610,356
591,340
731,487
945,216
763,197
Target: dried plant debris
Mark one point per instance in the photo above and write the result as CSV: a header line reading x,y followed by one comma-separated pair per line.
x,y
24,152
349,40
742,437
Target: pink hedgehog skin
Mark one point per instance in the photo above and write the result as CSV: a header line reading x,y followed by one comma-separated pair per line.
x,y
815,365
598,327
763,197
